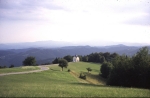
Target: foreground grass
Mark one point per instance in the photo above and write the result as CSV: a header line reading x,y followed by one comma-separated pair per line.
x,y
56,83
18,69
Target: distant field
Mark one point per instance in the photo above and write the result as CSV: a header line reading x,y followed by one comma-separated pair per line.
x,y
18,69
57,83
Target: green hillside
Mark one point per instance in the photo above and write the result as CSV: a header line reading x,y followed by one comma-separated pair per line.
x,y
57,83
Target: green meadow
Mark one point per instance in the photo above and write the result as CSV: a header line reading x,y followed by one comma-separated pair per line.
x,y
57,83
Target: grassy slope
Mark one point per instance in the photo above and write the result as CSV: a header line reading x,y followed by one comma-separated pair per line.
x,y
18,69
55,83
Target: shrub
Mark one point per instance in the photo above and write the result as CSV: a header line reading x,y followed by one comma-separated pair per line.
x,y
82,76
69,70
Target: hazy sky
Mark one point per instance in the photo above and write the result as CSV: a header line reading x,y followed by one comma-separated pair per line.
x,y
75,20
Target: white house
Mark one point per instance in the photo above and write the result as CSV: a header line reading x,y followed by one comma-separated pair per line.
x,y
76,58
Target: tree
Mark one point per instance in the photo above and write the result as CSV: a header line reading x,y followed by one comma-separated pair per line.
x,y
107,56
89,69
131,72
63,63
102,60
122,73
3,66
141,64
29,61
105,69
80,57
11,66
56,61
85,58
68,58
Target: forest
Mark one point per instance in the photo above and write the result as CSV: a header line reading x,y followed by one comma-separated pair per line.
x,y
121,70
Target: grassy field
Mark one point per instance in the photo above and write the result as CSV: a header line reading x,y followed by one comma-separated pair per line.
x,y
18,69
57,83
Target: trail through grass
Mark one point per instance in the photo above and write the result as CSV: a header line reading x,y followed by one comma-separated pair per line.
x,y
18,69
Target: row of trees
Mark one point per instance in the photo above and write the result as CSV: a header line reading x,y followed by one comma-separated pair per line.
x,y
99,57
3,67
11,66
29,61
69,58
128,71
93,57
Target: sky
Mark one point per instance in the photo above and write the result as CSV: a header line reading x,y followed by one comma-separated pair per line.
x,y
78,21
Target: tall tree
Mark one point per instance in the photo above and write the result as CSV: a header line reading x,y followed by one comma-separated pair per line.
x,y
141,64
63,63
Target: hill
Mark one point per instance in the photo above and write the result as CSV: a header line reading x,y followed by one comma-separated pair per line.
x,y
56,83
45,55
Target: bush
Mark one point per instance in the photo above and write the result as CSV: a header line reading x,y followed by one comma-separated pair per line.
x,y
69,70
82,76
106,69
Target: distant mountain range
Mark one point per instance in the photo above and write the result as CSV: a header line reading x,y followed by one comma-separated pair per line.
x,y
58,44
46,51
44,54
38,44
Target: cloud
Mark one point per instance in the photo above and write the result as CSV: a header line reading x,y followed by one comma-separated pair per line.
x,y
141,20
26,9
59,19
28,4
135,13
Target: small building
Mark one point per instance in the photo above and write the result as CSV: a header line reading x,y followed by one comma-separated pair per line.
x,y
76,58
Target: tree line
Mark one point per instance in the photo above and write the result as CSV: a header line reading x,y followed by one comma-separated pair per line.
x,y
128,71
121,70
11,66
93,57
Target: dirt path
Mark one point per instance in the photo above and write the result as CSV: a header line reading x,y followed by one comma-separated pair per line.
x,y
42,68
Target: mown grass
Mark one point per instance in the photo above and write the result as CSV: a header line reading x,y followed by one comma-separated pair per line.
x,y
57,83
18,69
